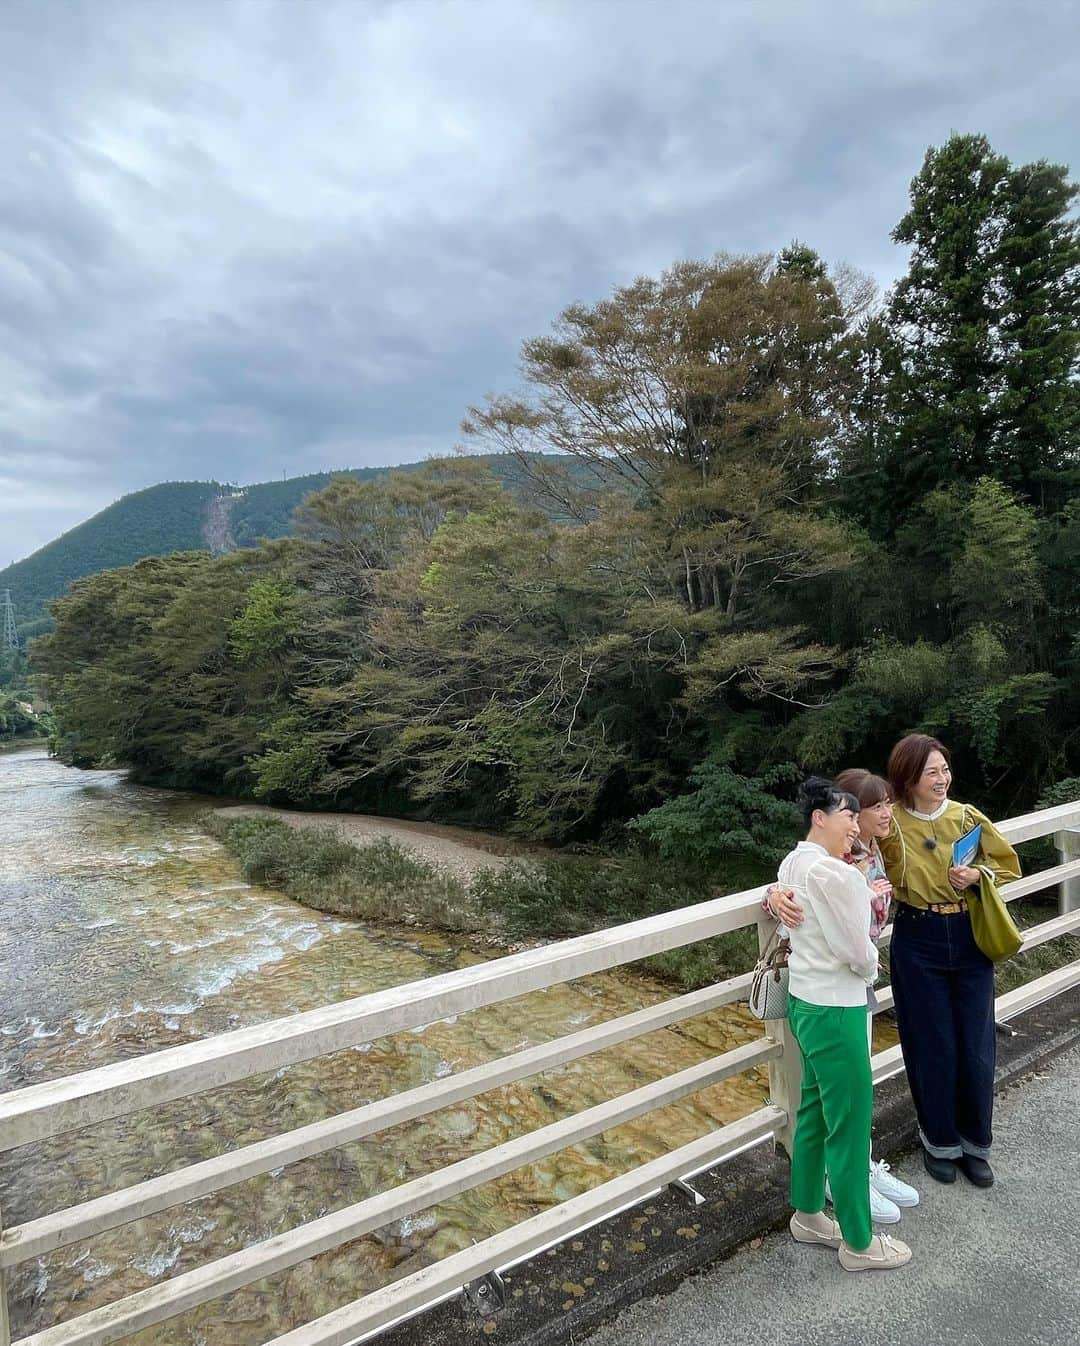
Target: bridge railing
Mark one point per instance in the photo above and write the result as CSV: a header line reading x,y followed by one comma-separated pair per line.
x,y
80,1100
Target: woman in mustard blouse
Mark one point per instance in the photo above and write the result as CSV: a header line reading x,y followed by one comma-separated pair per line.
x,y
942,982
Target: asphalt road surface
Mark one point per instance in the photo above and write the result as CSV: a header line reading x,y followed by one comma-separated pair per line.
x,y
990,1268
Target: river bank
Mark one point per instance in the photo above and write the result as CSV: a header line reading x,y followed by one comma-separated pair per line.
x,y
507,901
18,743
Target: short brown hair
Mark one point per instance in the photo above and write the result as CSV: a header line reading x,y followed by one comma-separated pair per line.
x,y
867,788
907,760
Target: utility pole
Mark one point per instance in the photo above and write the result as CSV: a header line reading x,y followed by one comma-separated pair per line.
x,y
11,636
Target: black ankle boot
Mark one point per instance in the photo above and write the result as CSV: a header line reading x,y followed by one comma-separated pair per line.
x,y
976,1170
942,1170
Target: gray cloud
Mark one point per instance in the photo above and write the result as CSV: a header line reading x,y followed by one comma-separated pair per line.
x,y
242,238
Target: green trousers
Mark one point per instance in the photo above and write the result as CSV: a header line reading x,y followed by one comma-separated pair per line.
x,y
832,1130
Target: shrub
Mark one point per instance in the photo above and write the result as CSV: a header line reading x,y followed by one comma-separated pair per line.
x,y
560,897
727,818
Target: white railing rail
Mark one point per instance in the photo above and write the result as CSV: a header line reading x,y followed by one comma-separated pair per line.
x,y
76,1101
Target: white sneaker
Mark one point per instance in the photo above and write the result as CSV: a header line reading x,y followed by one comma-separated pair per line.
x,y
882,1210
883,1254
816,1228
888,1185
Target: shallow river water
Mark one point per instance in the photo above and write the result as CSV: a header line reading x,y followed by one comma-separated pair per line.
x,y
126,929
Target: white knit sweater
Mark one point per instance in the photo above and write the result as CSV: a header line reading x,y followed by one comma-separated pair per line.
x,y
833,959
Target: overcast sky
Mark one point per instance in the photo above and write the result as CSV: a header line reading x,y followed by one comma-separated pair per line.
x,y
245,236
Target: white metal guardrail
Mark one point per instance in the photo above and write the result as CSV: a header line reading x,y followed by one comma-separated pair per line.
x,y
67,1104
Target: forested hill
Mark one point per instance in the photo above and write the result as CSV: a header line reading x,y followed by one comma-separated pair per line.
x,y
153,522
175,516
266,510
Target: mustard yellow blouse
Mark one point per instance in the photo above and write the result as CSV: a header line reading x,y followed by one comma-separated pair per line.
x,y
919,873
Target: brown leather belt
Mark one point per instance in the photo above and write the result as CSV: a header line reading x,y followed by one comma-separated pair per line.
x,y
946,908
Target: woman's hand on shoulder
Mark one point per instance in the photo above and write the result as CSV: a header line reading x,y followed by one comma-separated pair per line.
x,y
783,906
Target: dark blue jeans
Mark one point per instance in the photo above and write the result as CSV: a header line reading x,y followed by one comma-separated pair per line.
x,y
944,991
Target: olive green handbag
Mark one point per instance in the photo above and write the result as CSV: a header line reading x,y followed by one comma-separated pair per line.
x,y
994,929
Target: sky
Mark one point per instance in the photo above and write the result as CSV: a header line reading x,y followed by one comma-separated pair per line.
x,y
246,237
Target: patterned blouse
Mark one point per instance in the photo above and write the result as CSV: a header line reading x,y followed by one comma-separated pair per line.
x,y
867,860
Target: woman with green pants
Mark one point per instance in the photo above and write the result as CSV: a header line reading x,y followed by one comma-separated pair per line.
x,y
833,960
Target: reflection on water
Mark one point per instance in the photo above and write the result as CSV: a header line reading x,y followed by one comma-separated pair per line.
x,y
127,929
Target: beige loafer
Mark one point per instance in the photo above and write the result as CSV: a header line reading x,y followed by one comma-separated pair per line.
x,y
883,1254
815,1229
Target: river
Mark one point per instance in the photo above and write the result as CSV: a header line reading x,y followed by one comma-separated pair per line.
x,y
127,928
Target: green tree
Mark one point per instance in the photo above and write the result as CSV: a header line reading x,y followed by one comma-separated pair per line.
x,y
710,365
725,817
986,324
947,310
716,397
996,577
16,719
1039,407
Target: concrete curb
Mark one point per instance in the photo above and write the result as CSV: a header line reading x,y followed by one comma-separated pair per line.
x,y
560,1296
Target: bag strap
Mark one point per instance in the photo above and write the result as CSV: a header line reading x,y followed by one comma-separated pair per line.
x,y
903,852
771,944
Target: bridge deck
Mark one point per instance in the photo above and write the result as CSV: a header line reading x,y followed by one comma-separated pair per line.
x,y
996,1268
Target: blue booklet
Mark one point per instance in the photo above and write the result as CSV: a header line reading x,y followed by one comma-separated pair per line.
x,y
965,849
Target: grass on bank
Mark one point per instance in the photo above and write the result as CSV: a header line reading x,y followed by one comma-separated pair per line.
x,y
379,882
553,897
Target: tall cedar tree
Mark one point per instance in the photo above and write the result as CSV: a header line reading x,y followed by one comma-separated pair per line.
x,y
985,323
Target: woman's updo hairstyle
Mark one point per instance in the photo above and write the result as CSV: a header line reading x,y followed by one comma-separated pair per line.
x,y
818,793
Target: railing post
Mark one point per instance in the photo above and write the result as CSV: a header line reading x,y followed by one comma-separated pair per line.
x,y
5,1322
785,1073
1068,848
